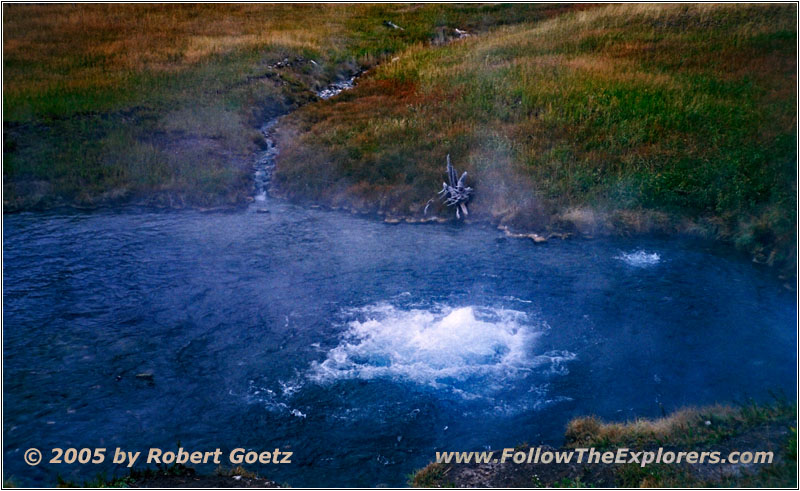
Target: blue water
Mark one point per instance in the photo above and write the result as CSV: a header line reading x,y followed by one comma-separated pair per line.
x,y
360,346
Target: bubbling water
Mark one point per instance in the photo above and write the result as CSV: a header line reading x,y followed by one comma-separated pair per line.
x,y
472,351
640,258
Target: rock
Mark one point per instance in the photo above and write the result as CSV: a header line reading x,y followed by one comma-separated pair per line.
x,y
536,238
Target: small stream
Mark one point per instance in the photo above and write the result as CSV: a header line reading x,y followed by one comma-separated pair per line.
x,y
337,87
265,160
265,164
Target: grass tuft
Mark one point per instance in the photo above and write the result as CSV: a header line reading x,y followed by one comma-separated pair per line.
x,y
431,476
685,427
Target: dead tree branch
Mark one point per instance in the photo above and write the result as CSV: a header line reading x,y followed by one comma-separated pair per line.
x,y
455,193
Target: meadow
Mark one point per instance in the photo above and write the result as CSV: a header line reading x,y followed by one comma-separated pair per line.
x,y
616,119
161,104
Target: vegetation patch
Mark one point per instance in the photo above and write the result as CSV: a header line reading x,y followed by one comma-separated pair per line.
x,y
175,476
685,427
431,476
675,118
161,104
724,429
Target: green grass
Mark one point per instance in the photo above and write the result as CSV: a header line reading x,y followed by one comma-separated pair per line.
x,y
106,104
632,117
572,483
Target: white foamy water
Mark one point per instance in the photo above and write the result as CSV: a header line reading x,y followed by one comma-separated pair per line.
x,y
275,401
337,87
470,350
640,258
265,163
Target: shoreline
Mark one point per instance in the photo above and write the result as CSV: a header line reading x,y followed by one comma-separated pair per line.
x,y
536,236
571,223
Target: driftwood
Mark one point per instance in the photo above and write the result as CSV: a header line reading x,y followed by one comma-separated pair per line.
x,y
456,193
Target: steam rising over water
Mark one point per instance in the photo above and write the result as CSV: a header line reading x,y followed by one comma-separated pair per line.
x,y
471,350
461,338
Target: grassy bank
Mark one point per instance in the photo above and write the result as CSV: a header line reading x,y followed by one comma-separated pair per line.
x,y
161,103
617,118
724,429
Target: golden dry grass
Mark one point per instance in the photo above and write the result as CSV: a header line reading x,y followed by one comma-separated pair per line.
x,y
688,426
79,45
592,431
